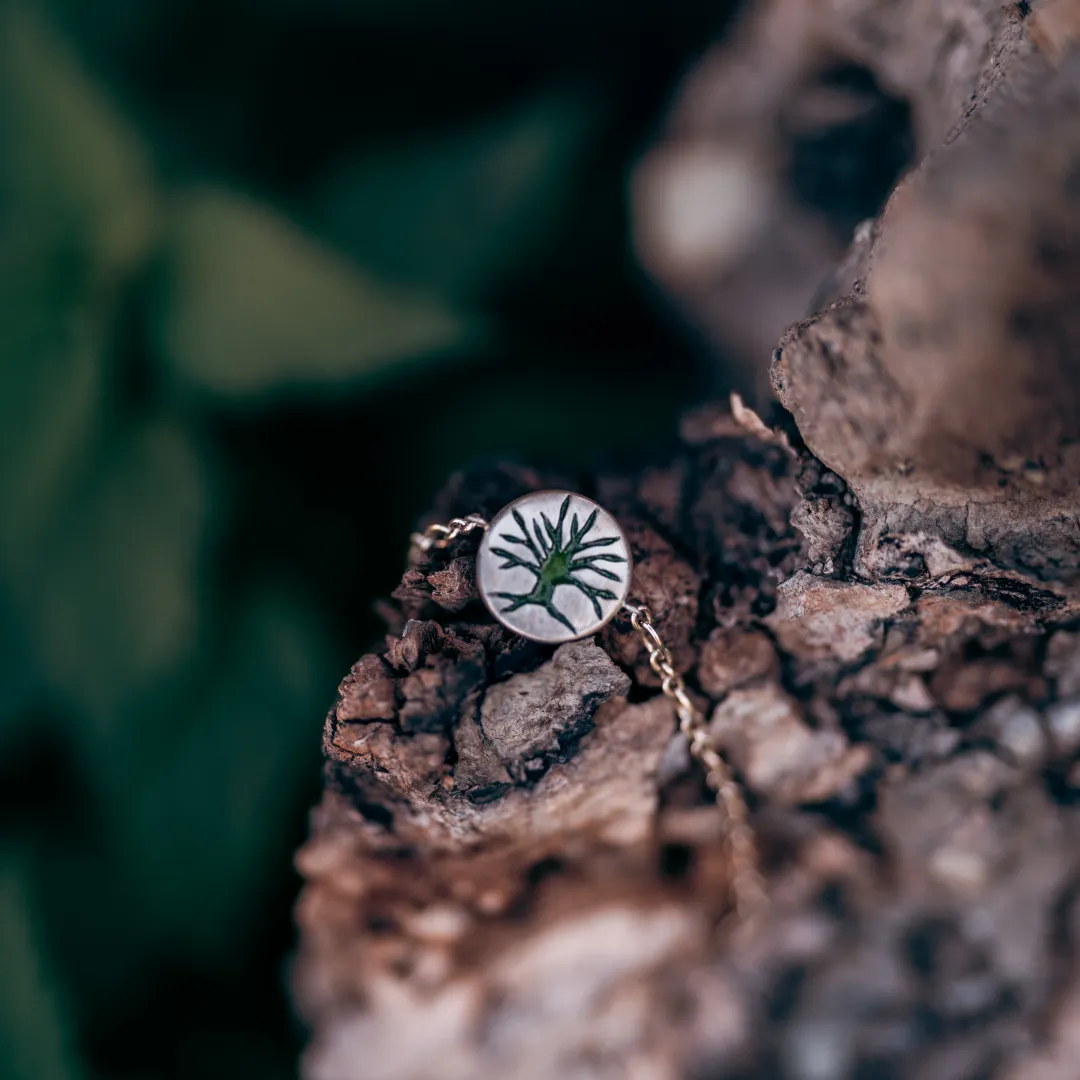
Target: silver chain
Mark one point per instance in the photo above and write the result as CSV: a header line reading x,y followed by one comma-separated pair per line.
x,y
439,536
747,886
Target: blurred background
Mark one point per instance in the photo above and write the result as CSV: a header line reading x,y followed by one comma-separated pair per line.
x,y
269,272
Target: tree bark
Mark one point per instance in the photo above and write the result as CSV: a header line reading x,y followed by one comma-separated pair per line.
x,y
515,870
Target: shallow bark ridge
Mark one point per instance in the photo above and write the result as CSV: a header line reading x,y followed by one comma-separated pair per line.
x,y
515,869
944,387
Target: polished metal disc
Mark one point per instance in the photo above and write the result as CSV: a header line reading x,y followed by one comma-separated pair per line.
x,y
553,566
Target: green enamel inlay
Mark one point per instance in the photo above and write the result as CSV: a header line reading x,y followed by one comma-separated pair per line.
x,y
556,561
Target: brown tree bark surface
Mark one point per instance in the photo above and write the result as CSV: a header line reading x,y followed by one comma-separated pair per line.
x,y
515,870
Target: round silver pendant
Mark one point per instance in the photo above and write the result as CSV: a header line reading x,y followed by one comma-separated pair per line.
x,y
553,566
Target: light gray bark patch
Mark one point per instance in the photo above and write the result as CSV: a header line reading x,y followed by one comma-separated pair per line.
x,y
532,718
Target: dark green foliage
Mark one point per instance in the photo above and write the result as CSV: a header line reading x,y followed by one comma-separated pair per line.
x,y
268,273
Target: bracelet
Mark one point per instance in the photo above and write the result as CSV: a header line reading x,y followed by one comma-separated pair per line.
x,y
554,566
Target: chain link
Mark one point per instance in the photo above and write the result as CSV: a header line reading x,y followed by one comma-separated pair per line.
x,y
439,536
748,889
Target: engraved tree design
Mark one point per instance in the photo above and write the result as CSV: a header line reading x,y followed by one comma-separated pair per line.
x,y
555,561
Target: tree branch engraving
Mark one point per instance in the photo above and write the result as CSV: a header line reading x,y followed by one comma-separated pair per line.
x,y
556,561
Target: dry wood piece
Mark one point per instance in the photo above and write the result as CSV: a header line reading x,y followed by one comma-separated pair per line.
x,y
515,870
795,129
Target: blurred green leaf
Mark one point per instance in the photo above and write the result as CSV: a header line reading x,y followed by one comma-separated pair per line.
x,y
35,1038
207,815
75,216
71,171
249,303
114,595
51,375
460,211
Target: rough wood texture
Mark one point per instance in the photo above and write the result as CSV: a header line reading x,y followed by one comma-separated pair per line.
x,y
515,871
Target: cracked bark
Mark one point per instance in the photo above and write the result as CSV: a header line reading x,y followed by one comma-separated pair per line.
x,y
514,869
